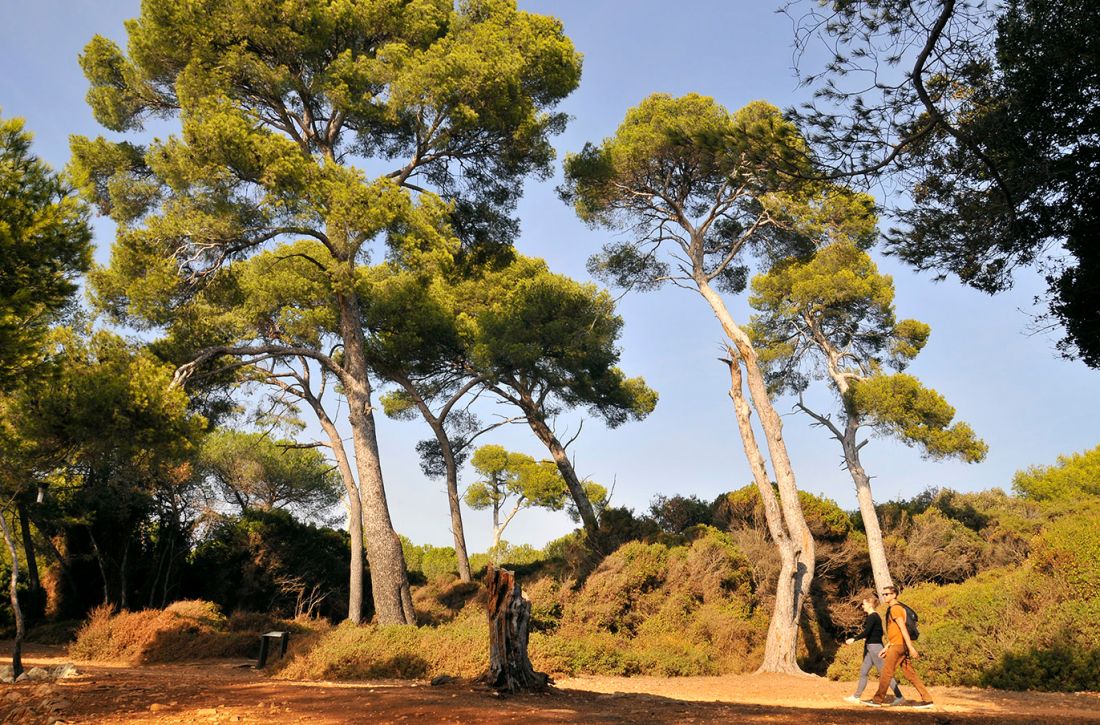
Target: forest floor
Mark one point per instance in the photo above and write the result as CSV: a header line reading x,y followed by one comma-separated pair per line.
x,y
226,691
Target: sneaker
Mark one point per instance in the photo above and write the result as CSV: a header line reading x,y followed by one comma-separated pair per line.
x,y
924,705
870,703
898,700
852,698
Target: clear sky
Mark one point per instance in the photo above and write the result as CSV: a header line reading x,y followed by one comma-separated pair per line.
x,y
1027,403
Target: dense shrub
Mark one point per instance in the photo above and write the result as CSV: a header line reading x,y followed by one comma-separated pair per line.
x,y
1022,626
268,561
458,648
657,608
186,630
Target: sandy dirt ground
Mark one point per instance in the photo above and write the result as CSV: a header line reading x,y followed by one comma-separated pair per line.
x,y
232,692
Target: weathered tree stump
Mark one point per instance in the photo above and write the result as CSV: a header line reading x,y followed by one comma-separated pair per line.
x,y
509,622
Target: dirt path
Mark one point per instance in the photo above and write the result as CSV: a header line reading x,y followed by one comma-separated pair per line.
x,y
226,692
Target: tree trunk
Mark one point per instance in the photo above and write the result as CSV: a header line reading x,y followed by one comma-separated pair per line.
x,y
779,653
880,569
355,512
389,581
509,622
17,648
781,645
123,600
33,581
102,566
568,473
451,468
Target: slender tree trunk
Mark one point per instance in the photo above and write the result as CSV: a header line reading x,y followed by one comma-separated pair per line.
x,y
389,581
451,468
102,566
355,511
880,569
782,641
565,467
780,649
33,581
123,600
17,648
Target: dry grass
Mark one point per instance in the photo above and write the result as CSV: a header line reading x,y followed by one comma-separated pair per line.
x,y
186,630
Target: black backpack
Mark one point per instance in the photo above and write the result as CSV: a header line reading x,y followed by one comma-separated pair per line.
x,y
911,620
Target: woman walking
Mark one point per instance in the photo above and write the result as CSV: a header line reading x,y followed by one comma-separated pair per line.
x,y
872,649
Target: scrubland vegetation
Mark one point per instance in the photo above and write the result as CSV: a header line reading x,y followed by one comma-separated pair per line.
x,y
1006,586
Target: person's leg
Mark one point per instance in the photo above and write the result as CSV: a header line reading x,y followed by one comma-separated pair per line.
x,y
886,673
872,656
910,673
865,669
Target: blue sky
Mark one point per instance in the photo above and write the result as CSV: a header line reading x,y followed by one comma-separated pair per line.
x,y
1027,403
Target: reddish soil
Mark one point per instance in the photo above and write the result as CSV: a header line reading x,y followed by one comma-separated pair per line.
x,y
231,692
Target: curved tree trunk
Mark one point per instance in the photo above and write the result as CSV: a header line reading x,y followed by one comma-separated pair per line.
x,y
568,473
781,646
509,628
880,569
797,573
354,507
389,581
17,648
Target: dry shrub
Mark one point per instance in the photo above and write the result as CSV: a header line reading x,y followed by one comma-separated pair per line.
x,y
459,648
684,609
443,598
185,630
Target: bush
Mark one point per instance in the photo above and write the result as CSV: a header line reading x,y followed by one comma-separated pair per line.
x,y
657,608
185,630
459,648
269,561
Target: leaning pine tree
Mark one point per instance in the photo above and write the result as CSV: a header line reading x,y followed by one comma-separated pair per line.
x,y
832,316
283,108
697,190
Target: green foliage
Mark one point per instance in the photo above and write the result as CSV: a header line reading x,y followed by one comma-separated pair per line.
x,y
428,562
682,609
544,334
901,406
736,192
267,561
45,243
1071,478
674,514
253,471
832,315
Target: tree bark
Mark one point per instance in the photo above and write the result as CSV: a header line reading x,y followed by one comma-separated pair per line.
x,y
509,628
782,641
880,568
354,507
841,379
33,580
565,467
450,466
389,580
20,631
798,555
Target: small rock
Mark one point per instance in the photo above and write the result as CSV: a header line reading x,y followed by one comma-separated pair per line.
x,y
207,711
65,671
442,680
37,674
156,707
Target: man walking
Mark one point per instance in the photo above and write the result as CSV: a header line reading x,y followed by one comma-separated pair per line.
x,y
899,653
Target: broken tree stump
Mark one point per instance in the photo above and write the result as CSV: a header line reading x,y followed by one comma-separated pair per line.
x,y
509,627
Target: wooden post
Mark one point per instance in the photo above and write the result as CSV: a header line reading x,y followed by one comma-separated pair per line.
x,y
509,621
